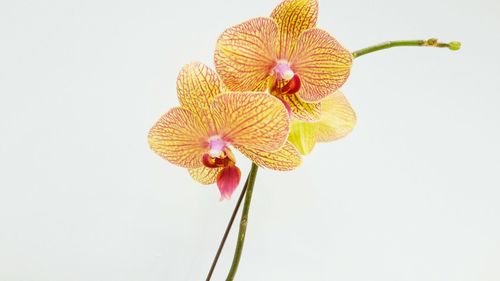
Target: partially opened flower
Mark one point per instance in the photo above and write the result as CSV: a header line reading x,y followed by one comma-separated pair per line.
x,y
286,55
199,134
337,120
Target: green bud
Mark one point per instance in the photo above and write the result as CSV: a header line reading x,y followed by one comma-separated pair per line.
x,y
454,46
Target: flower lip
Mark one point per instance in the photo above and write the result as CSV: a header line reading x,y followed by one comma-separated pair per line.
x,y
292,86
227,181
212,162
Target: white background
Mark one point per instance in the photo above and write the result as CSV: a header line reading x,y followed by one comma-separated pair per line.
x,y
412,194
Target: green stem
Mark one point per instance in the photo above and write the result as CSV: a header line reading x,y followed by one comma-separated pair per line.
x,y
228,228
243,223
454,46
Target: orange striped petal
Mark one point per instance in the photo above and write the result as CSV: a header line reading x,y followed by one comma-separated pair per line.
x,y
337,119
293,17
252,120
179,138
303,136
245,54
322,64
197,85
205,175
285,159
302,110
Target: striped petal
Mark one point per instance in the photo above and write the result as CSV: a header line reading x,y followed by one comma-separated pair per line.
x,y
293,17
303,136
179,138
245,54
337,119
251,120
322,64
285,159
197,85
204,175
302,110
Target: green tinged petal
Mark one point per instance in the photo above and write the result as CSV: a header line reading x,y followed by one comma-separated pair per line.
x,y
303,136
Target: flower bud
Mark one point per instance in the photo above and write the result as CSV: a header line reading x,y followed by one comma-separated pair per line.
x,y
454,46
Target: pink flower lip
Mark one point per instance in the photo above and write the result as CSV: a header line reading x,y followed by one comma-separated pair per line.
x,y
227,181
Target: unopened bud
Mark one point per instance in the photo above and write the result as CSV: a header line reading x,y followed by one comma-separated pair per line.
x,y
454,46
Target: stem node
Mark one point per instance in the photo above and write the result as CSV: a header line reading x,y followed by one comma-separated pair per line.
x,y
432,42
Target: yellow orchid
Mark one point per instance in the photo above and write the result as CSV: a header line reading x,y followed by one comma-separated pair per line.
x,y
337,120
198,134
285,55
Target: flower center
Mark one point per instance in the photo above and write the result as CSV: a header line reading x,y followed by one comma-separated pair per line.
x,y
219,155
283,70
285,81
216,146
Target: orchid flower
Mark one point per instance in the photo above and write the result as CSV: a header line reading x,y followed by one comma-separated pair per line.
x,y
199,134
285,55
337,120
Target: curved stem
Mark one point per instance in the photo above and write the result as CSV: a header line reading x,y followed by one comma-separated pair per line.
x,y
243,223
228,228
454,46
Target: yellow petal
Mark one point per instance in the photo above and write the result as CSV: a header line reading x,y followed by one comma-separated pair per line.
x,y
337,119
285,159
322,64
302,110
252,120
197,85
245,54
204,175
293,17
303,136
179,138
